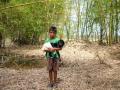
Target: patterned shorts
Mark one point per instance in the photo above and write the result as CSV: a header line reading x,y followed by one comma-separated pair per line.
x,y
52,64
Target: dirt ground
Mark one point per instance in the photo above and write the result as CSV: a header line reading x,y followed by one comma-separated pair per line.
x,y
85,67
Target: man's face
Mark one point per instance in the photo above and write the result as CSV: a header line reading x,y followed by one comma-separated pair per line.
x,y
52,34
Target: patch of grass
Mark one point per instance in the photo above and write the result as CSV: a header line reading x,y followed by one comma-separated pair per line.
x,y
18,62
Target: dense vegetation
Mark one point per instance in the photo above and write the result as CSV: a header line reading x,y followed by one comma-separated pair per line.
x,y
96,20
27,21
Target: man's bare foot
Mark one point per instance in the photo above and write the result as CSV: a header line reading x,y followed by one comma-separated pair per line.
x,y
55,85
50,85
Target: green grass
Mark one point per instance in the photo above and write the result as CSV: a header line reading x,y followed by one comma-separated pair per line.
x,y
18,62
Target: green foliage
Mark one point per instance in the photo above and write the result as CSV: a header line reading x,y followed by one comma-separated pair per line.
x,y
28,21
25,24
106,14
4,1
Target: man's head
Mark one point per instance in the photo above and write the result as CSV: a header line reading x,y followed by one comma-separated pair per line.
x,y
52,31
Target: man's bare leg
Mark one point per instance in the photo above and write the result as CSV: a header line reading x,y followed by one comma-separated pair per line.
x,y
55,76
50,76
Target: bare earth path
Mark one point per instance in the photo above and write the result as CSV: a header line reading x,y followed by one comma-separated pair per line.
x,y
85,67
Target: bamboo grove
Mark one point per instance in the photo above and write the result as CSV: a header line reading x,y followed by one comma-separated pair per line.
x,y
28,21
95,20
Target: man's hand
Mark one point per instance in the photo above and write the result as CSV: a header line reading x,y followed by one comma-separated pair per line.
x,y
51,49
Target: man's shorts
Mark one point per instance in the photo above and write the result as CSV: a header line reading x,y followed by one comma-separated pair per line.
x,y
53,64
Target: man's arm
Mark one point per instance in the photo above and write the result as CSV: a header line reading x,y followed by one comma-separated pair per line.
x,y
53,49
57,49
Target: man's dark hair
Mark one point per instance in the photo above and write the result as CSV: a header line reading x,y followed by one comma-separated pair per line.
x,y
53,29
